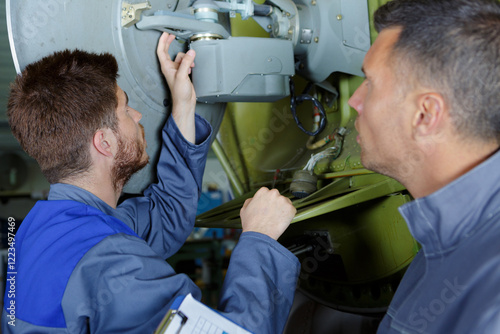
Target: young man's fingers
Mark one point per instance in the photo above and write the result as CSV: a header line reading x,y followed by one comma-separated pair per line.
x,y
163,46
187,62
247,201
179,57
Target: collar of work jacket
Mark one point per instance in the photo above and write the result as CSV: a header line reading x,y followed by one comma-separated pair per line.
x,y
62,191
443,219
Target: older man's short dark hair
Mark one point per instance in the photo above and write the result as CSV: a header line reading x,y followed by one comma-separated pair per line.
x,y
452,46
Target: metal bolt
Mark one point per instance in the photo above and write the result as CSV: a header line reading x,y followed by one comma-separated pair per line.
x,y
269,26
316,39
339,17
288,14
313,2
290,31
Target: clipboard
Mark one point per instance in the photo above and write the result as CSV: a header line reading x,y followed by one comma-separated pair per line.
x,y
189,316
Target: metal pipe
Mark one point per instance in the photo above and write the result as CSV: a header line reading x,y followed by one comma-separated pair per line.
x,y
302,250
224,161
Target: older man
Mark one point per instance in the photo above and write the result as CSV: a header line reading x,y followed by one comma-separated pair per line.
x,y
429,116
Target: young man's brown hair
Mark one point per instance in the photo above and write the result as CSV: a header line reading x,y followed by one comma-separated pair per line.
x,y
58,103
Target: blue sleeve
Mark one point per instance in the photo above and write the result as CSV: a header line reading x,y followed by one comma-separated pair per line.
x,y
122,286
260,284
165,215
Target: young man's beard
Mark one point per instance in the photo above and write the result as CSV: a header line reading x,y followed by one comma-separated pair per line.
x,y
131,158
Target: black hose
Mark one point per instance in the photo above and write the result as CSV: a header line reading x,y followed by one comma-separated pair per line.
x,y
296,100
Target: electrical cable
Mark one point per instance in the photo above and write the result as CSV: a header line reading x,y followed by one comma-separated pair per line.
x,y
296,100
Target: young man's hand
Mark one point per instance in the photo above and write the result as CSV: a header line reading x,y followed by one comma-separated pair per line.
x,y
267,212
177,75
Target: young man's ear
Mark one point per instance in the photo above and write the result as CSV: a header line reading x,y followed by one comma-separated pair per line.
x,y
104,142
429,116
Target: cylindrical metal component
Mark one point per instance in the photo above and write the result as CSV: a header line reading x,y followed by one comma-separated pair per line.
x,y
304,183
262,10
207,36
206,12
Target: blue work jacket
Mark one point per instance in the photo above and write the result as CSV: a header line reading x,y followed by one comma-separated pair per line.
x,y
82,266
453,284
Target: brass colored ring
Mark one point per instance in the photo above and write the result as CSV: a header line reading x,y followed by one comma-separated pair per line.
x,y
207,36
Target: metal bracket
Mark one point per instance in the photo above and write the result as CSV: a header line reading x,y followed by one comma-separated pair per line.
x,y
131,13
306,36
288,7
183,26
245,8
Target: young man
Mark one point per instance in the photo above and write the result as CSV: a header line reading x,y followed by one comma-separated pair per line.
x,y
85,264
429,116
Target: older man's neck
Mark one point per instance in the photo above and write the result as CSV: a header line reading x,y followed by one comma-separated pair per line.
x,y
446,165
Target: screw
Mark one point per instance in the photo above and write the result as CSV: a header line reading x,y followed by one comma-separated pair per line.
x,y
316,39
269,27
339,17
313,2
